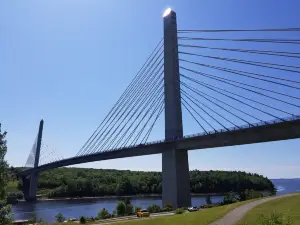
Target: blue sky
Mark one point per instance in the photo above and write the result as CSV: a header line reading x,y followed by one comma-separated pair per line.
x,y
68,62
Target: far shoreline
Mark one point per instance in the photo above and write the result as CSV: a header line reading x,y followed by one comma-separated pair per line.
x,y
120,197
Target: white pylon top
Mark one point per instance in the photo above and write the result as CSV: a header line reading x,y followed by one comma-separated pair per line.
x,y
167,12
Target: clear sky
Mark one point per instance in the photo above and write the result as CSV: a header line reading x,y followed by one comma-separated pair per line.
x,y
68,62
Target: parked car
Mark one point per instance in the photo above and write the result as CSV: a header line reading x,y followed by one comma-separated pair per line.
x,y
143,213
193,209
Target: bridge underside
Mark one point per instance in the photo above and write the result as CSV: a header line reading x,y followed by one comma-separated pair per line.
x,y
265,133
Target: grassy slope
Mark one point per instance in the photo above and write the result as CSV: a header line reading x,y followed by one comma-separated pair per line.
x,y
288,206
203,217
12,186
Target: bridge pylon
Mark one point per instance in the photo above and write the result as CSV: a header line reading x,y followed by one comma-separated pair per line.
x,y
175,165
30,183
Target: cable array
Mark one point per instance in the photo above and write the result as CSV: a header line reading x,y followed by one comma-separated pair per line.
x,y
48,155
132,118
230,78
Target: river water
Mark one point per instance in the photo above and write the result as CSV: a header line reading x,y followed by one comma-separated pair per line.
x,y
46,210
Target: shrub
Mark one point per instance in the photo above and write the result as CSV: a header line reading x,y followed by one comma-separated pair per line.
x,y
168,207
179,211
103,214
59,218
137,208
230,198
153,208
273,219
127,201
208,200
129,209
20,195
92,218
121,208
249,194
206,206
82,220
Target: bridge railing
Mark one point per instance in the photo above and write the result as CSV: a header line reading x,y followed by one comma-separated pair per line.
x,y
215,131
246,126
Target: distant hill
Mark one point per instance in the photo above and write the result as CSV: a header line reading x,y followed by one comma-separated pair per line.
x,y
77,182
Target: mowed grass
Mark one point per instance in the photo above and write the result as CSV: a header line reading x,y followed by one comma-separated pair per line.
x,y
288,206
202,217
12,186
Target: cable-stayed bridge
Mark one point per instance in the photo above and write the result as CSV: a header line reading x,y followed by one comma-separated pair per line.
x,y
238,86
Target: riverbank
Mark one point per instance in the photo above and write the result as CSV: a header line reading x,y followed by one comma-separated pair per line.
x,y
47,210
151,196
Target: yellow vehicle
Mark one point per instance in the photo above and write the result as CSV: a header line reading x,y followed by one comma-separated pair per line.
x,y
142,213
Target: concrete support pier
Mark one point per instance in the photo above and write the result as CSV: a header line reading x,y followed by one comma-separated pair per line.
x,y
30,183
175,165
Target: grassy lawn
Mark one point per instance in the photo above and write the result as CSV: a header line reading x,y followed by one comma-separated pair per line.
x,y
288,207
12,186
202,217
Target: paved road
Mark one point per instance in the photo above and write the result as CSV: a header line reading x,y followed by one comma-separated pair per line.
x,y
238,213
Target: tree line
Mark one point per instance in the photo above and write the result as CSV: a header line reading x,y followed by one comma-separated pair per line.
x,y
81,182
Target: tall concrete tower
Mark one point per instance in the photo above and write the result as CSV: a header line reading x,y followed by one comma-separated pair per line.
x,y
175,165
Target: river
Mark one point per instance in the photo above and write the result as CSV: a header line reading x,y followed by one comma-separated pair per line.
x,y
46,210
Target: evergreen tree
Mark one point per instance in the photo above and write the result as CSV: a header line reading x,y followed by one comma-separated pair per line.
x,y
5,210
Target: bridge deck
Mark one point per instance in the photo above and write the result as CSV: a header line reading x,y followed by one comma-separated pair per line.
x,y
276,131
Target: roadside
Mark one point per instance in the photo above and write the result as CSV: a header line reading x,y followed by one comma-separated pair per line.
x,y
202,217
238,213
282,209
127,218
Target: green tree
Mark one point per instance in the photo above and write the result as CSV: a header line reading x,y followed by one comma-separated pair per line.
x,y
153,208
59,218
121,208
82,220
129,209
103,214
5,210
208,200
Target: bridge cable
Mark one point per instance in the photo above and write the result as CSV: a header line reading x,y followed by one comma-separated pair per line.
x,y
252,51
227,81
202,94
137,102
129,101
128,90
154,106
239,30
239,72
151,106
121,106
141,94
212,87
260,88
145,138
192,101
184,105
199,114
143,105
192,97
252,63
159,108
278,41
